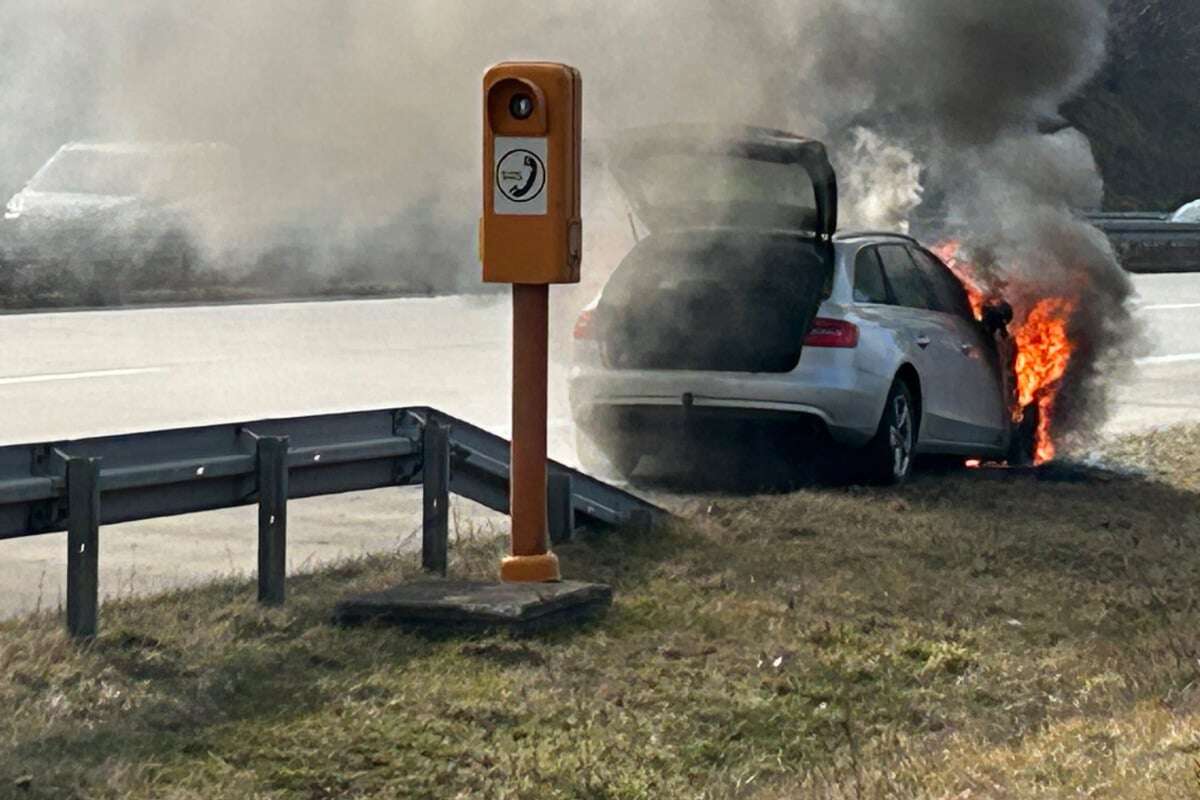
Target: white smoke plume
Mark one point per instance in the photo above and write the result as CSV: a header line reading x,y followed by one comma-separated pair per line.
x,y
880,184
353,114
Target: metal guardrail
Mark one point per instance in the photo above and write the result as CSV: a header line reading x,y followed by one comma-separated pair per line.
x,y
78,486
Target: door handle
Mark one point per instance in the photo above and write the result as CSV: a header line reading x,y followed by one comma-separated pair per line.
x,y
967,349
923,342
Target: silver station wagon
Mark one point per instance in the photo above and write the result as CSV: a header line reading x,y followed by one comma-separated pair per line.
x,y
741,318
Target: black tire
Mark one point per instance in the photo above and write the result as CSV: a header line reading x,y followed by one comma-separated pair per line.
x,y
1022,449
606,458
888,459
106,288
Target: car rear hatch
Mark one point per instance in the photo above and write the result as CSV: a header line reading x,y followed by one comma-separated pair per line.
x,y
739,256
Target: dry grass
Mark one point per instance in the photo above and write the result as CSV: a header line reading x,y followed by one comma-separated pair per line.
x,y
965,637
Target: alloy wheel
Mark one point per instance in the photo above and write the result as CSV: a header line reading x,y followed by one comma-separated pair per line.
x,y
900,437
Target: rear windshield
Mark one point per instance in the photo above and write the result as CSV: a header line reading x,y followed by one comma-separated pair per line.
x,y
724,189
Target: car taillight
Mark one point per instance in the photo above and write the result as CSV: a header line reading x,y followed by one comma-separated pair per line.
x,y
832,333
584,327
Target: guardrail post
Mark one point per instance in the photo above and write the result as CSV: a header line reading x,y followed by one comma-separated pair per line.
x,y
435,482
560,507
272,519
83,546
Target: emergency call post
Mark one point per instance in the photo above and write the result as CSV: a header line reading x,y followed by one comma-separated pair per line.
x,y
532,120
531,236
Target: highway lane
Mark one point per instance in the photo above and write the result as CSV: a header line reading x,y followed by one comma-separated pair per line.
x,y
1164,387
68,375
82,374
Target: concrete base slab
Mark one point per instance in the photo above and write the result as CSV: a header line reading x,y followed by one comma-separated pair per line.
x,y
476,605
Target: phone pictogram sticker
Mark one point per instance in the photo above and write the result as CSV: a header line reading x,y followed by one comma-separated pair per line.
x,y
520,176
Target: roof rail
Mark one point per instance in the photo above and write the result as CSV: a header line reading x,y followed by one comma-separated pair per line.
x,y
860,234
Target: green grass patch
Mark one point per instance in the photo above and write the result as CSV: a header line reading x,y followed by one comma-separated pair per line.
x,y
966,636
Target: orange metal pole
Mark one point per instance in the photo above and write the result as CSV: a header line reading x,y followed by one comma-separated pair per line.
x,y
531,560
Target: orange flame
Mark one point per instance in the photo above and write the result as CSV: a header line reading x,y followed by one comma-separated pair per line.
x,y
949,252
1043,347
1043,355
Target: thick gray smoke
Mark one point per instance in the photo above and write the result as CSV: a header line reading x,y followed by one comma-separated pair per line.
x,y
967,86
356,116
880,183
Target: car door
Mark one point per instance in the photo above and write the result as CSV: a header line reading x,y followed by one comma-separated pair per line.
x,y
977,388
926,337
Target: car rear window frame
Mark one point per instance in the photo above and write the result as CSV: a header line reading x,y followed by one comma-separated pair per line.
x,y
931,302
934,269
870,254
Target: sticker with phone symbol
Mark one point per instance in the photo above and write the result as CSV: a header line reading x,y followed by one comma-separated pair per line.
x,y
520,176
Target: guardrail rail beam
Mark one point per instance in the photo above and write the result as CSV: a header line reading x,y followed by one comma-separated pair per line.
x,y
60,486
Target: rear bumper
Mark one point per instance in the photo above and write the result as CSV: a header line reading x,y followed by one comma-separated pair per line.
x,y
845,401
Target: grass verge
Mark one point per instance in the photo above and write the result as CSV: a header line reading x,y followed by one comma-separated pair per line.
x,y
967,636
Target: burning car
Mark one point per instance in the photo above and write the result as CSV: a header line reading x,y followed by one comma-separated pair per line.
x,y
743,311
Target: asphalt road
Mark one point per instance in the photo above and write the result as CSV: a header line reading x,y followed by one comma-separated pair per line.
x,y
1164,388
69,375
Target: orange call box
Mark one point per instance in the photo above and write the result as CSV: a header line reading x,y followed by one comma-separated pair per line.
x,y
531,231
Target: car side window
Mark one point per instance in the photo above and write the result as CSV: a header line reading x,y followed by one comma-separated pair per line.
x,y
907,282
951,296
869,283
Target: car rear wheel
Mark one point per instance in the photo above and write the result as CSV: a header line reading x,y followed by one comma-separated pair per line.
x,y
106,287
607,458
888,459
1022,449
